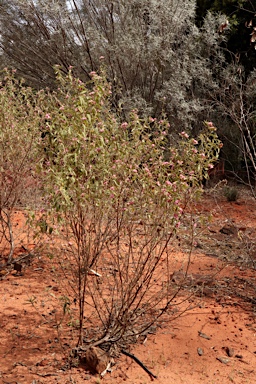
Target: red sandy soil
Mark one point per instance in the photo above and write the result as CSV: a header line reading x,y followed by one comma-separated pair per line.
x,y
193,348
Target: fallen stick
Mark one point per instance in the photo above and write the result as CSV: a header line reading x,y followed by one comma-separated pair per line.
x,y
152,376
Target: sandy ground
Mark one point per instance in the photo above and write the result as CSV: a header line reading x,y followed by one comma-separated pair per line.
x,y
214,342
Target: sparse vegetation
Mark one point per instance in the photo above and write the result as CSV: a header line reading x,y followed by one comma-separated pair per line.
x,y
104,152
19,127
231,193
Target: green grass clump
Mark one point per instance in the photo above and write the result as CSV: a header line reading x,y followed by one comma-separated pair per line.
x,y
231,193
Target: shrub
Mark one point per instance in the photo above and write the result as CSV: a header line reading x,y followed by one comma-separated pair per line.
x,y
231,193
19,122
116,194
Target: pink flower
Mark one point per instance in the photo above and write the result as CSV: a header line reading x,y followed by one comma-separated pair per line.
x,y
124,125
184,134
48,116
210,126
93,73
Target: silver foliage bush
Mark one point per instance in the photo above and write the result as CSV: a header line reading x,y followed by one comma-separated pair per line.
x,y
156,58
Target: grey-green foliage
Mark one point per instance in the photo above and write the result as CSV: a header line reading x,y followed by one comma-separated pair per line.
x,y
155,56
235,102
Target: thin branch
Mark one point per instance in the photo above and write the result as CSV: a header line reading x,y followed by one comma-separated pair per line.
x,y
152,376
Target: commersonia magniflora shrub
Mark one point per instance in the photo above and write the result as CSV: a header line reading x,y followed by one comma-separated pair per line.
x,y
118,193
115,192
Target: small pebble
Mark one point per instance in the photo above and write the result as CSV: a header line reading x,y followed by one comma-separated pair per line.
x,y
230,351
200,351
201,334
223,360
